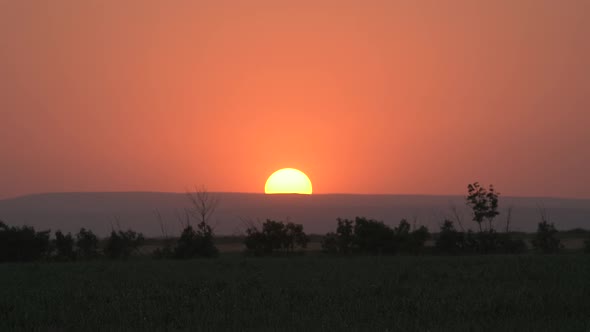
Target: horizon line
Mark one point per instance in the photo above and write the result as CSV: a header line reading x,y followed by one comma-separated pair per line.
x,y
263,194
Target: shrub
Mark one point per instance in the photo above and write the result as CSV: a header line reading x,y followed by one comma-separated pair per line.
x,y
22,243
64,246
545,240
330,243
122,244
409,241
275,236
450,240
165,252
487,242
87,244
374,237
340,242
511,245
193,243
295,236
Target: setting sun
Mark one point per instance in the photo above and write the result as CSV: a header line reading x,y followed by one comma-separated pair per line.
x,y
288,181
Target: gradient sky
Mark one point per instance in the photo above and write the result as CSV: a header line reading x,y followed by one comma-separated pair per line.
x,y
408,97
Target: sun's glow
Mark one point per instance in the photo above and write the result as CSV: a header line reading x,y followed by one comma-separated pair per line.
x,y
288,181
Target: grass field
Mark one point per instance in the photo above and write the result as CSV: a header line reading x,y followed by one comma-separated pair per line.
x,y
313,292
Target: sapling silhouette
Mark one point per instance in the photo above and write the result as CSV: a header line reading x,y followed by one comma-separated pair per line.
x,y
545,240
484,203
197,242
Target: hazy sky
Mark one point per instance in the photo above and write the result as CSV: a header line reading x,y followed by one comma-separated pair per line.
x,y
363,96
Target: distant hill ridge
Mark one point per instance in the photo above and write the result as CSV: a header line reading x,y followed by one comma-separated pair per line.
x,y
100,211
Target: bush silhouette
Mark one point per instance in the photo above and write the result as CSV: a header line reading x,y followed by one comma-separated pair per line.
x,y
409,241
19,244
449,240
295,236
510,245
275,236
87,244
545,240
122,244
482,242
374,237
193,243
64,246
167,251
340,242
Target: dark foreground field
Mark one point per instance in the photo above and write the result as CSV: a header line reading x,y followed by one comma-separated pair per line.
x,y
494,293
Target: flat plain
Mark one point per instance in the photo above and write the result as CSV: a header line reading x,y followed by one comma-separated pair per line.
x,y
307,292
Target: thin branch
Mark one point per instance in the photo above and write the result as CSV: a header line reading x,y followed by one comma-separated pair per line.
x,y
458,217
161,222
508,218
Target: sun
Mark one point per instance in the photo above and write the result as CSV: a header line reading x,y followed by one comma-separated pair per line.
x,y
288,181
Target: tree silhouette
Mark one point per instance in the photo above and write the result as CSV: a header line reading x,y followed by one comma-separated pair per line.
x,y
64,245
203,204
22,243
450,240
484,204
275,236
197,242
122,244
545,240
372,236
87,244
407,240
340,242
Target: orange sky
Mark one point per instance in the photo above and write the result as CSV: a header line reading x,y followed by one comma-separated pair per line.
x,y
363,96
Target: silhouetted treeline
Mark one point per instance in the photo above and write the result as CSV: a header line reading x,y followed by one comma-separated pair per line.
x,y
358,236
374,237
275,236
22,243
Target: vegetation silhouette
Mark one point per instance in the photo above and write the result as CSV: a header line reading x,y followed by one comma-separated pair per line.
x,y
545,240
193,242
368,236
87,244
275,236
484,204
449,240
18,244
342,241
122,244
359,236
64,246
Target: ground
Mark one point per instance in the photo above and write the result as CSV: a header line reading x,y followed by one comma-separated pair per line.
x,y
310,292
